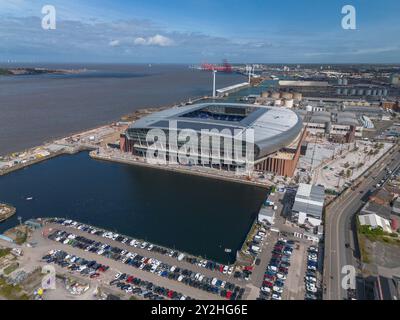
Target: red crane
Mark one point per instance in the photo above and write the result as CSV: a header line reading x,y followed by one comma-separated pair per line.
x,y
225,67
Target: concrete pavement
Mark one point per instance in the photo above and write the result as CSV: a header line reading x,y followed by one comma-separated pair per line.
x,y
339,228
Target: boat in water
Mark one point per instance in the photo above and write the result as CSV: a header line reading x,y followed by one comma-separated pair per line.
x,y
29,199
228,250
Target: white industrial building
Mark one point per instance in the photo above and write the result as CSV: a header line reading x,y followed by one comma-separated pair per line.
x,y
267,215
375,221
308,205
331,123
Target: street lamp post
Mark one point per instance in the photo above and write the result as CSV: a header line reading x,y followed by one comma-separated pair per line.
x,y
214,84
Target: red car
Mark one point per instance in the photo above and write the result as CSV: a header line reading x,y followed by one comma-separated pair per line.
x,y
268,284
221,268
170,294
269,278
95,275
130,279
229,295
283,270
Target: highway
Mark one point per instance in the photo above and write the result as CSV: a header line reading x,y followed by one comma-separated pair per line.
x,y
340,241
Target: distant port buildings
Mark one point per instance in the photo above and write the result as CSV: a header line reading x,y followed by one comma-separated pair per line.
x,y
278,133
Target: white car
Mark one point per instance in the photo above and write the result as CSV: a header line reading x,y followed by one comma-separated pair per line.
x,y
223,284
214,281
150,247
276,297
272,268
230,270
277,289
281,276
266,289
203,263
173,268
311,289
201,278
197,276
311,279
115,236
225,271
181,277
144,245
129,290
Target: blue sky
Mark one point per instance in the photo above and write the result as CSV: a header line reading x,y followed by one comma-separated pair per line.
x,y
194,31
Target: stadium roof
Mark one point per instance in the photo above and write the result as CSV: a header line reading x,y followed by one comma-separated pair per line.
x,y
274,128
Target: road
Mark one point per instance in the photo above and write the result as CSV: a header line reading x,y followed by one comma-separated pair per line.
x,y
339,227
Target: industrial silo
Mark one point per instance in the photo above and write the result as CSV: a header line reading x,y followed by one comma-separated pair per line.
x,y
289,103
286,95
275,95
298,96
265,94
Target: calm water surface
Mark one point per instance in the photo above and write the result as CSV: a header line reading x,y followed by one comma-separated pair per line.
x,y
193,214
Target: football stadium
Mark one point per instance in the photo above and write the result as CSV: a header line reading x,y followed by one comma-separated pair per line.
x,y
275,139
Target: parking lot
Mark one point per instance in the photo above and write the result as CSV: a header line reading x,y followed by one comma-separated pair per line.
x,y
187,279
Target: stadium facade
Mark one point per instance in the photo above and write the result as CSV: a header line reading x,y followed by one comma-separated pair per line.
x,y
273,135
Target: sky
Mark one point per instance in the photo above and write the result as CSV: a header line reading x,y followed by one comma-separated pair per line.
x,y
196,31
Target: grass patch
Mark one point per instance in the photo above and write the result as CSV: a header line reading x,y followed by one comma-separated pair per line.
x,y
11,292
377,234
21,238
363,249
4,252
11,268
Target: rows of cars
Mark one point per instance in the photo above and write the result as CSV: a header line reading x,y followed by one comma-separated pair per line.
x,y
311,274
256,242
144,245
144,289
75,264
212,285
277,270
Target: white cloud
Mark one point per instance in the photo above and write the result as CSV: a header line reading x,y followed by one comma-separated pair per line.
x,y
114,43
140,41
157,40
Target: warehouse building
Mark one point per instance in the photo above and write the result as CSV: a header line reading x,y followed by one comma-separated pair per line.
x,y
308,205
